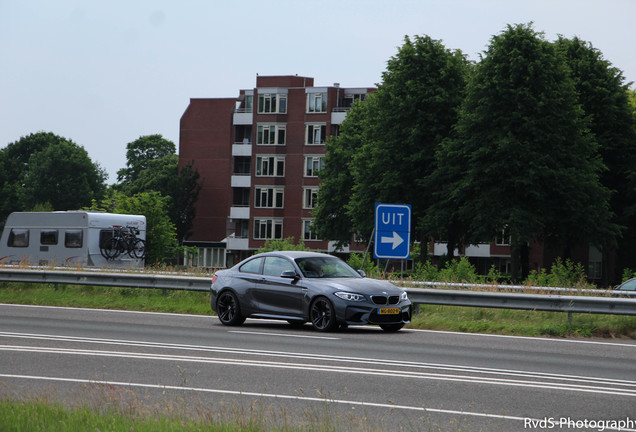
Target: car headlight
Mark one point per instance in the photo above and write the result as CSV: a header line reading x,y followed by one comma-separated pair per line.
x,y
404,296
349,296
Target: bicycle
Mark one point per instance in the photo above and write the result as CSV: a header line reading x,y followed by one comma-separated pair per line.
x,y
124,240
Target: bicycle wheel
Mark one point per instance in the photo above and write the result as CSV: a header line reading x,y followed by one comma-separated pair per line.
x,y
111,248
138,249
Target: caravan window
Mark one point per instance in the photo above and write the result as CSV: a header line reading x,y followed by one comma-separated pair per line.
x,y
48,237
18,238
73,239
105,237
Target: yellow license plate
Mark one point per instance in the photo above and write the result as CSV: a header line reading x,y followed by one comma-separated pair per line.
x,y
388,311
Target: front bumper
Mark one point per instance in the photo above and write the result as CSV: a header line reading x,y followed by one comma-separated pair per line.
x,y
355,314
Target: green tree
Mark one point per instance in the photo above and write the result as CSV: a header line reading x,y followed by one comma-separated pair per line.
x,y
140,154
331,219
47,169
417,105
531,166
605,100
385,151
153,166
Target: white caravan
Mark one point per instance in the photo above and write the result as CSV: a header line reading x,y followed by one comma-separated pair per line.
x,y
73,238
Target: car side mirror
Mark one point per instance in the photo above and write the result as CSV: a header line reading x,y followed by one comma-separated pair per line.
x,y
289,274
362,273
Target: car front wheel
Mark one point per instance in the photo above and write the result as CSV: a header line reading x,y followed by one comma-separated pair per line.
x,y
228,309
323,315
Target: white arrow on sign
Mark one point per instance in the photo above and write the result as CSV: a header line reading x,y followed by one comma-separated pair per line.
x,y
395,239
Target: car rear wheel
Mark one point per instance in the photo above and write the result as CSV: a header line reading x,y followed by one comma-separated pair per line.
x,y
228,309
391,327
323,315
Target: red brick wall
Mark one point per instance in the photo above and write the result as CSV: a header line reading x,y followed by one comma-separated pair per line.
x,y
206,138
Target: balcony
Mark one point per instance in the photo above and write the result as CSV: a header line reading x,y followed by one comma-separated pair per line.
x,y
237,243
243,148
241,180
338,114
239,212
243,116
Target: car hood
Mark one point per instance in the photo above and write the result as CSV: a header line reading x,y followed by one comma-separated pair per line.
x,y
358,285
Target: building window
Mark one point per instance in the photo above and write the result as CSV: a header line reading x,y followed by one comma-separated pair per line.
x,y
308,234
313,164
595,270
270,166
268,229
317,102
267,197
315,134
503,237
206,257
272,103
349,99
310,197
270,135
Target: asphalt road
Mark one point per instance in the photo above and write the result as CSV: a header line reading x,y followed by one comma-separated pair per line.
x,y
356,379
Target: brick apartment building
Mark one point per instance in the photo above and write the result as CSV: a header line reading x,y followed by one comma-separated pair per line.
x,y
258,156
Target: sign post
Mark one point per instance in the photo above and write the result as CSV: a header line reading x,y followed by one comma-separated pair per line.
x,y
392,237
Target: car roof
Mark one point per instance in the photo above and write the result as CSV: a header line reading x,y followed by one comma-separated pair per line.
x,y
294,254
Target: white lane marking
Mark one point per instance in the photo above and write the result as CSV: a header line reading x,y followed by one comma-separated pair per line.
x,y
626,344
332,369
283,335
266,395
321,357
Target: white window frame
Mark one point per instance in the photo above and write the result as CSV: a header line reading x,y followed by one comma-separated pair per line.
x,y
269,197
271,134
315,132
313,164
268,229
310,196
266,164
272,103
308,234
503,237
314,99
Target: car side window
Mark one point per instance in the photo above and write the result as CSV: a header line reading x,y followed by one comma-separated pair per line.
x,y
629,286
274,266
253,266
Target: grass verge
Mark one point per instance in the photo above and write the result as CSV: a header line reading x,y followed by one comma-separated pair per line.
x,y
431,317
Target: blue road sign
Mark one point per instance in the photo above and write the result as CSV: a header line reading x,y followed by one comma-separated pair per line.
x,y
392,231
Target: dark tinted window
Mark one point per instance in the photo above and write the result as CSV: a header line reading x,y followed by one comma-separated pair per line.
x,y
253,266
73,239
18,238
48,237
104,238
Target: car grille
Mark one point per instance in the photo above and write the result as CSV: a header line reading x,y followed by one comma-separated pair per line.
x,y
382,300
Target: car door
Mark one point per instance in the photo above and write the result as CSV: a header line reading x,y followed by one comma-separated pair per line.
x,y
276,295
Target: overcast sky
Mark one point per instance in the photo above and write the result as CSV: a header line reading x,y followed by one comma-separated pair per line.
x,y
104,73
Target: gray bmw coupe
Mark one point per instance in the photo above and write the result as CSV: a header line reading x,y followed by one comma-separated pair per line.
x,y
305,287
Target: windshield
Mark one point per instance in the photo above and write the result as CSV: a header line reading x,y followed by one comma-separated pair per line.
x,y
325,267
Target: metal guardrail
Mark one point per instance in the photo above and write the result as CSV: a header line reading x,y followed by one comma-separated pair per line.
x,y
101,278
612,305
